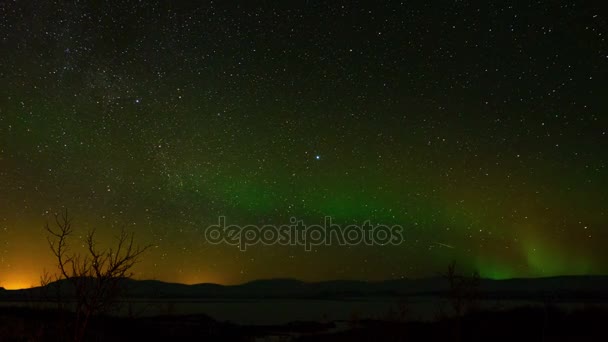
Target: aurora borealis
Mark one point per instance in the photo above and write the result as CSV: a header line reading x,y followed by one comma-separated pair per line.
x,y
479,127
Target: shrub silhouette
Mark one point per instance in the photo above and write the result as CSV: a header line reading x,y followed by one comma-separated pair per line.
x,y
463,290
95,277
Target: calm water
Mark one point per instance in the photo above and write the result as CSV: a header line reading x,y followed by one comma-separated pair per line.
x,y
279,311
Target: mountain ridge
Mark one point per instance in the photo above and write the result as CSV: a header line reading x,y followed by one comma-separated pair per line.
x,y
558,286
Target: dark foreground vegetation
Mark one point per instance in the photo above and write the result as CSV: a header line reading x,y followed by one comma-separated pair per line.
x,y
521,324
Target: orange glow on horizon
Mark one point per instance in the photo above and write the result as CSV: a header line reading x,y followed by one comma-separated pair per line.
x,y
16,284
20,280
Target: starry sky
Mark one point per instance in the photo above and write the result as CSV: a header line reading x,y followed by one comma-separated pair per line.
x,y
480,127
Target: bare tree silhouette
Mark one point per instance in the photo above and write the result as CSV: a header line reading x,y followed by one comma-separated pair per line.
x,y
96,275
463,291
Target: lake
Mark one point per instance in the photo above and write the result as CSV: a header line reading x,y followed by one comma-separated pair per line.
x,y
281,311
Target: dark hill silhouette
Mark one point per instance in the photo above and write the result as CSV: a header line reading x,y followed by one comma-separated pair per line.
x,y
563,287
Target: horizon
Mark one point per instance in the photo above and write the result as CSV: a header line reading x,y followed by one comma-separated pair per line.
x,y
11,288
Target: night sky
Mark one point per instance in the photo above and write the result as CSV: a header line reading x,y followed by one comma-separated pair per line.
x,y
480,127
